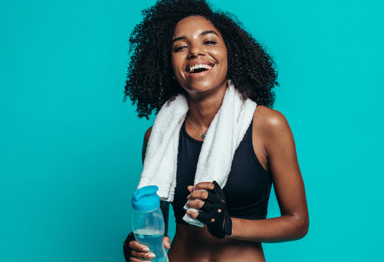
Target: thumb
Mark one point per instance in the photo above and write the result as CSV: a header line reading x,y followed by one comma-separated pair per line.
x,y
167,242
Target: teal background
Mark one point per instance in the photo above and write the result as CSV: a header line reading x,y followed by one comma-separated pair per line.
x,y
70,152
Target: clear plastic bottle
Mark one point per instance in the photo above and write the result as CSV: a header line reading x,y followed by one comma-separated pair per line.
x,y
148,222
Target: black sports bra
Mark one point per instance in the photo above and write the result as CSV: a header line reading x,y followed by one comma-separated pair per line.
x,y
248,185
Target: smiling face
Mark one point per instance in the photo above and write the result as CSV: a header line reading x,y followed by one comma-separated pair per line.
x,y
199,56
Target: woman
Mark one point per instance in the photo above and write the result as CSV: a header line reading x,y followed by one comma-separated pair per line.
x,y
183,47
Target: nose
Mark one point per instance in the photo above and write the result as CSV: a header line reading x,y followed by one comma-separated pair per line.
x,y
195,50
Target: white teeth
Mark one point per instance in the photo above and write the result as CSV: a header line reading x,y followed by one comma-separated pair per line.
x,y
192,68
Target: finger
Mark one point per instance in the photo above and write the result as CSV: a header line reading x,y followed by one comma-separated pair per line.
x,y
129,238
195,204
205,218
133,259
167,242
143,255
209,207
192,213
134,245
190,188
204,185
214,198
198,194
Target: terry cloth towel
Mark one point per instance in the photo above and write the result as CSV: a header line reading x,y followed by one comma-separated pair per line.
x,y
224,135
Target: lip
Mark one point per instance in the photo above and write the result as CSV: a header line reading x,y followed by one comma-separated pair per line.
x,y
200,74
197,63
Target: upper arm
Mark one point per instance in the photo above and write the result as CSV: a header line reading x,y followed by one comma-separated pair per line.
x,y
145,143
283,165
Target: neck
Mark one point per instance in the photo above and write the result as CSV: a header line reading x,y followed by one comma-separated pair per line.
x,y
203,110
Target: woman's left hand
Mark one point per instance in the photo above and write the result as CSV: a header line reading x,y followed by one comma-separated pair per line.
x,y
209,199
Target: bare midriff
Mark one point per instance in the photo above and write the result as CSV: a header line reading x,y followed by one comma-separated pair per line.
x,y
196,244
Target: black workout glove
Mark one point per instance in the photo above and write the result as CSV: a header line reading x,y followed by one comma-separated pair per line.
x,y
214,213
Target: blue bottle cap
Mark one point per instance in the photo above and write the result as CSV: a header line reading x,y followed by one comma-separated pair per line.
x,y
145,199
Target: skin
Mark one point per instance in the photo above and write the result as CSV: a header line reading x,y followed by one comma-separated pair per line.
x,y
273,145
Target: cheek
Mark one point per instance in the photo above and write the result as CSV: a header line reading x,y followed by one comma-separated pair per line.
x,y
221,55
225,56
222,59
225,60
176,63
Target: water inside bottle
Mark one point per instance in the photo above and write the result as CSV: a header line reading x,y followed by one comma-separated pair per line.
x,y
153,239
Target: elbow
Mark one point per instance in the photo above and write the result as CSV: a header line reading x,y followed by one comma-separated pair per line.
x,y
302,228
299,227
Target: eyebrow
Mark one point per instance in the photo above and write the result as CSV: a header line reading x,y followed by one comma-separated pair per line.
x,y
202,33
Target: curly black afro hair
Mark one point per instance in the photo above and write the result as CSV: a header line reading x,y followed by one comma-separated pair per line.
x,y
149,79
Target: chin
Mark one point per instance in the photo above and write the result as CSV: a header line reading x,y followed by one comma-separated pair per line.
x,y
194,89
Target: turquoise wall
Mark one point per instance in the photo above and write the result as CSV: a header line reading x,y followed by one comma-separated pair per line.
x,y
70,148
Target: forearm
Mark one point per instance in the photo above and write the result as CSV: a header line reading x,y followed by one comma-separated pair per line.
x,y
278,229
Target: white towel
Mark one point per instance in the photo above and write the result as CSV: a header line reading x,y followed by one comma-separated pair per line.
x,y
224,135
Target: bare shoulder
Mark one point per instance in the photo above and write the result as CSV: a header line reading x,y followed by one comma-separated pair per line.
x,y
146,138
269,121
147,135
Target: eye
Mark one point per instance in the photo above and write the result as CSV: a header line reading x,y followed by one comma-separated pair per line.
x,y
210,42
179,48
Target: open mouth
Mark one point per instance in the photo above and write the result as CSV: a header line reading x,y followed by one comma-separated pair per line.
x,y
195,69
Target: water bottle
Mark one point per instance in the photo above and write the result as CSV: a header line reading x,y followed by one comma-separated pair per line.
x,y
148,222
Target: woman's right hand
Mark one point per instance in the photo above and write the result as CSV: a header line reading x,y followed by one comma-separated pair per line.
x,y
135,252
